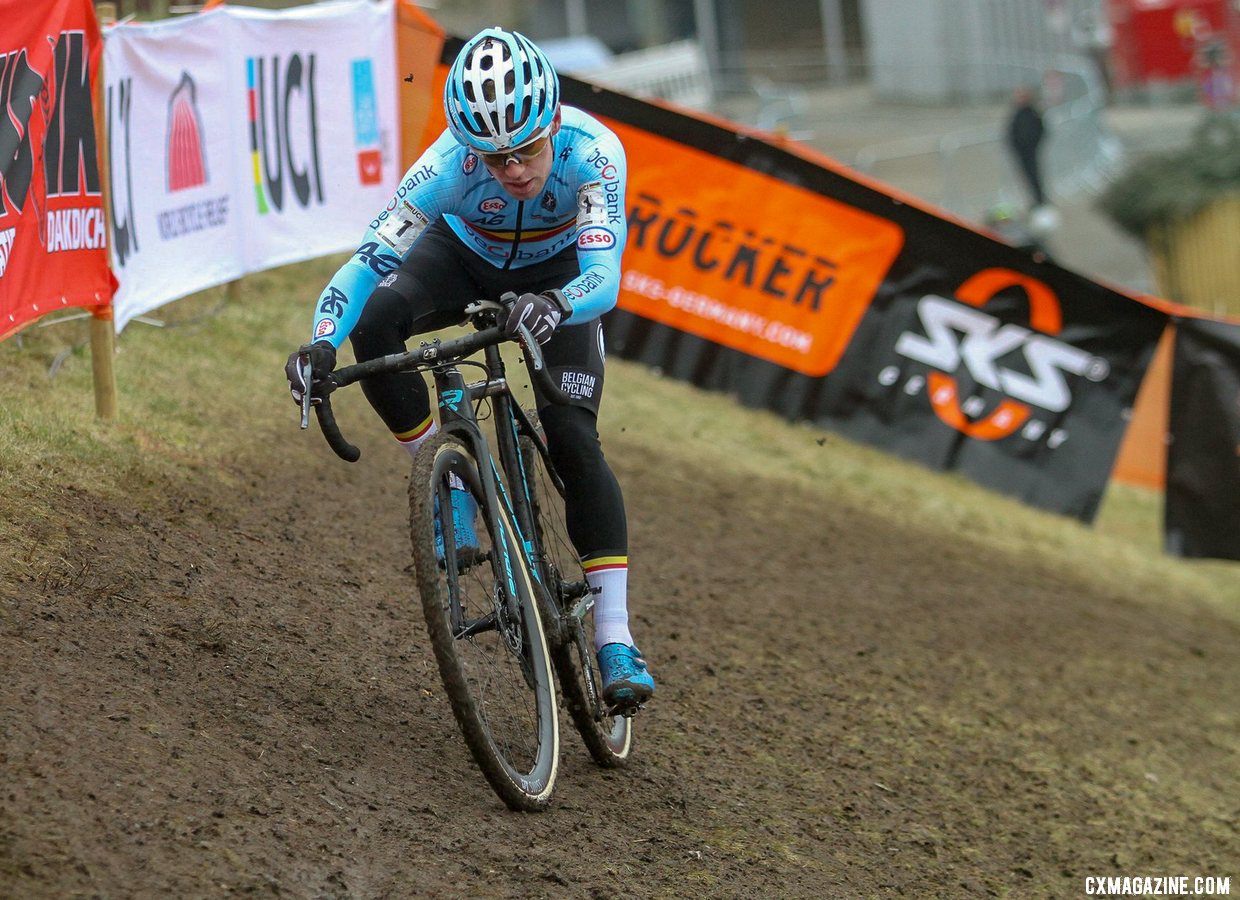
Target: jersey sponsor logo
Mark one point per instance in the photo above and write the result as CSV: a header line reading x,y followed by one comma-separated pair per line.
x,y
388,280
578,384
614,202
1025,365
492,204
325,328
272,86
583,285
548,201
471,163
606,167
333,302
412,180
379,262
595,239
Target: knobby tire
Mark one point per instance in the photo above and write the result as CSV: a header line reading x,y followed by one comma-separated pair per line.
x,y
502,695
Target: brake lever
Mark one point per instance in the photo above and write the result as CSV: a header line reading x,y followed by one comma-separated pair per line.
x,y
530,345
306,373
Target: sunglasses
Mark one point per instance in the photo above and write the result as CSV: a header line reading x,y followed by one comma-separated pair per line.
x,y
521,155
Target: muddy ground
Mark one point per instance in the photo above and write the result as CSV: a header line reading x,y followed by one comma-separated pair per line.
x,y
229,690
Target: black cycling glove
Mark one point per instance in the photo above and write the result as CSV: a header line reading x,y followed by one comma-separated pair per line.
x,y
540,313
322,361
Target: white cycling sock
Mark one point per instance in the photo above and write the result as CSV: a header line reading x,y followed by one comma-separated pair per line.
x,y
609,577
414,438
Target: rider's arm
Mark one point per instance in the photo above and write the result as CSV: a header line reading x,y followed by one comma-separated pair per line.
x,y
430,188
601,229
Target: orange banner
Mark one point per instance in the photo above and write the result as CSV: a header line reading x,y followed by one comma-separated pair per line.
x,y
419,44
737,257
52,227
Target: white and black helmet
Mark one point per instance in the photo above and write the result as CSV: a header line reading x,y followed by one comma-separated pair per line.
x,y
502,92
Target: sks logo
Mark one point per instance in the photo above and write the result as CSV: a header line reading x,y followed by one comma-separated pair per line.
x,y
960,336
53,120
284,130
187,163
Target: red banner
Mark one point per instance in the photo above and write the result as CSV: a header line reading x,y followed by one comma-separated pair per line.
x,y
52,227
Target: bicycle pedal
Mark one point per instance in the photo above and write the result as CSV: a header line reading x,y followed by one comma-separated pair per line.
x,y
626,709
466,559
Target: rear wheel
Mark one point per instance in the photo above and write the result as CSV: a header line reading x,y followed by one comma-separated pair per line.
x,y
484,625
608,738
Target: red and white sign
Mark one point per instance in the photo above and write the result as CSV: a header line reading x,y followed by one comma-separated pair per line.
x,y
53,234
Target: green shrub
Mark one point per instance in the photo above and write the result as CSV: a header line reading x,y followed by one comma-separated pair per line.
x,y
1165,188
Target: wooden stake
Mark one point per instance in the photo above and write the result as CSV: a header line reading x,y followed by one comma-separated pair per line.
x,y
102,330
102,352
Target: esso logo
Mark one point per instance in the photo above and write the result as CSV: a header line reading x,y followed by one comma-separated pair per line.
x,y
492,204
471,163
325,327
596,239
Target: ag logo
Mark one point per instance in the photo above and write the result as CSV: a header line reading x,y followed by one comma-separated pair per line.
x,y
958,334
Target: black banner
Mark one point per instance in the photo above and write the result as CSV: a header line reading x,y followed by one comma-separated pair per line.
x,y
1203,459
971,356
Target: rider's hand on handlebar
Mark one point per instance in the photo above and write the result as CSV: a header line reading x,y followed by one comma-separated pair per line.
x,y
540,313
322,361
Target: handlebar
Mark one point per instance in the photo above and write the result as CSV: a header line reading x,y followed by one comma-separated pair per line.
x,y
436,352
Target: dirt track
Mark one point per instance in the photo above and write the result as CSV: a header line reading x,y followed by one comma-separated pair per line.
x,y
232,692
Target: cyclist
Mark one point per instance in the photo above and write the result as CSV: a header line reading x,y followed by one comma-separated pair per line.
x,y
518,194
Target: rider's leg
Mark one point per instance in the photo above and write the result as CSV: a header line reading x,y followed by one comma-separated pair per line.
x,y
594,513
594,506
428,292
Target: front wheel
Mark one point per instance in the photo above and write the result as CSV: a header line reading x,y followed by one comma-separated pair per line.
x,y
483,622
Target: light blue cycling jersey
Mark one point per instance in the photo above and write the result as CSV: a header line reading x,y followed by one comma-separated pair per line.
x,y
582,202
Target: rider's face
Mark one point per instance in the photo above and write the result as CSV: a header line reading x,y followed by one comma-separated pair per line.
x,y
523,176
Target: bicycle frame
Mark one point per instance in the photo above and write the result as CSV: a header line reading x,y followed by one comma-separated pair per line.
x,y
457,400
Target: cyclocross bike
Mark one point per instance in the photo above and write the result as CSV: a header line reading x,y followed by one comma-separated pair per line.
x,y
508,606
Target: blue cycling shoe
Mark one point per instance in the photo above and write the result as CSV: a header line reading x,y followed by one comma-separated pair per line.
x,y
626,683
464,511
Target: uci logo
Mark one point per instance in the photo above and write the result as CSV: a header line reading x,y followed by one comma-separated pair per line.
x,y
962,336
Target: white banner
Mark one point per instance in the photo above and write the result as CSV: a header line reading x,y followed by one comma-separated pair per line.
x,y
241,139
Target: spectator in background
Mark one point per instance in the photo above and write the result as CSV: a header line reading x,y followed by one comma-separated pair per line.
x,y
1024,135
